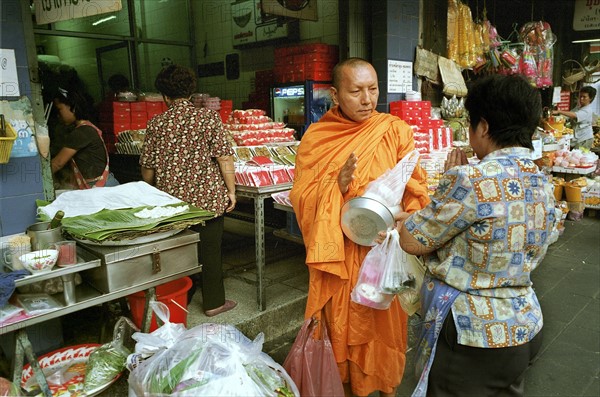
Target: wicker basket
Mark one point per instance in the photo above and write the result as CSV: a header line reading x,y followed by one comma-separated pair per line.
x,y
6,143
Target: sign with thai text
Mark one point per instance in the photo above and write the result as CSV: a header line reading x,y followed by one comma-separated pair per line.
x,y
399,76
48,11
586,15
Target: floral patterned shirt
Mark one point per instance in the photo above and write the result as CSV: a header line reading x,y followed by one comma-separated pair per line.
x,y
490,223
182,145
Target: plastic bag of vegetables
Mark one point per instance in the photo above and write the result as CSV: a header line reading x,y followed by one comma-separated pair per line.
x,y
212,360
108,360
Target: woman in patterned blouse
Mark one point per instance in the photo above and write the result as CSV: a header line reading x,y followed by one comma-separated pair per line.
x,y
186,154
482,235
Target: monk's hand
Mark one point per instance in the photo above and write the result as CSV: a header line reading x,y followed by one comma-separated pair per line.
x,y
456,157
346,175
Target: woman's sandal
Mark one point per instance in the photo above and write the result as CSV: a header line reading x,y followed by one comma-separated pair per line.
x,y
228,305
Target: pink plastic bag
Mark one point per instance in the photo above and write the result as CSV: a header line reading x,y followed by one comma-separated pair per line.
x,y
311,363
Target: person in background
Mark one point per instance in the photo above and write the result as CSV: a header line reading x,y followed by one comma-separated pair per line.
x,y
117,83
484,232
350,146
186,154
82,146
197,100
582,115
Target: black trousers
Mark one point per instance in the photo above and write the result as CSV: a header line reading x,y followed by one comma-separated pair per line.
x,y
209,254
463,371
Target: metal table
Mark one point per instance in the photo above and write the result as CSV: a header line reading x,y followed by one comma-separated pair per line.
x,y
86,296
258,195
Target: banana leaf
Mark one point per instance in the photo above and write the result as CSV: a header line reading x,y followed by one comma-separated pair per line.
x,y
122,224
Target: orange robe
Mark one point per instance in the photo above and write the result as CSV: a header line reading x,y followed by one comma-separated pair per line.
x,y
369,344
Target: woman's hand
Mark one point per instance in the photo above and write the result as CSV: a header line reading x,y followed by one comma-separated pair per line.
x,y
232,201
399,218
456,157
346,175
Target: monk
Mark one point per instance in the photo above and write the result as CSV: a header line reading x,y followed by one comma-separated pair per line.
x,y
338,156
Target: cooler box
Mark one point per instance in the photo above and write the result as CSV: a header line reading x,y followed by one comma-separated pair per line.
x,y
124,266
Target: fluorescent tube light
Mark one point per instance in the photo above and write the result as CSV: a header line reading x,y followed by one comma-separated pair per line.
x,y
99,21
585,41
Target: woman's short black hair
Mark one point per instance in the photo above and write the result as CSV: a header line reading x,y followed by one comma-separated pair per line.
x,y
591,91
175,81
76,101
510,105
118,82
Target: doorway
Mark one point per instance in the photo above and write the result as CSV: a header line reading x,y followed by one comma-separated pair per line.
x,y
115,59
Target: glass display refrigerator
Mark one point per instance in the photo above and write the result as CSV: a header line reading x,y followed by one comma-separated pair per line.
x,y
300,104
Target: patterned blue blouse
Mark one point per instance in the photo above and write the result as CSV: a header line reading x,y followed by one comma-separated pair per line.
x,y
490,223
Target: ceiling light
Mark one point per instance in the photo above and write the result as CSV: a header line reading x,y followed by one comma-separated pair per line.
x,y
99,21
585,41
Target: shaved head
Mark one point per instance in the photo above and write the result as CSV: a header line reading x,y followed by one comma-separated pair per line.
x,y
351,63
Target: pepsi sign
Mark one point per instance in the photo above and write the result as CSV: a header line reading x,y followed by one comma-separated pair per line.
x,y
296,91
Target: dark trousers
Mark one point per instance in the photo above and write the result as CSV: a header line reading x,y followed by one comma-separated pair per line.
x,y
209,254
460,370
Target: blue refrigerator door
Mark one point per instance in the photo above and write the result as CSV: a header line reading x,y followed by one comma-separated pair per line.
x,y
300,104
318,100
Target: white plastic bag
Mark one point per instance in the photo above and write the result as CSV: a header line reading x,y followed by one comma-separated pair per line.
x,y
389,187
409,297
160,339
396,276
212,360
367,291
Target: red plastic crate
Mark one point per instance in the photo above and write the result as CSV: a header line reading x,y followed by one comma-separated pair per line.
x,y
318,67
121,107
137,117
316,48
319,76
299,60
121,117
118,127
153,106
138,106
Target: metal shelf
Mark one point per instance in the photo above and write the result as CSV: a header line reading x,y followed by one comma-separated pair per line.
x,y
258,195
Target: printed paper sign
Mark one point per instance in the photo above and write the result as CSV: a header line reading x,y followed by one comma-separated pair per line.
x,y
586,15
9,81
48,11
399,76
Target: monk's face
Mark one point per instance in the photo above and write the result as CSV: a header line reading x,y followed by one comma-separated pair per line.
x,y
357,93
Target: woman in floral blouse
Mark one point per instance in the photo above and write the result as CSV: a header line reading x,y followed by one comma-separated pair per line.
x,y
482,235
186,154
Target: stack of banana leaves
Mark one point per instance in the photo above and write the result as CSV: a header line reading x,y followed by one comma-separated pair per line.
x,y
130,223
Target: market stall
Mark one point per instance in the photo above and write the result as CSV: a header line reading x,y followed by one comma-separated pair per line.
x,y
119,251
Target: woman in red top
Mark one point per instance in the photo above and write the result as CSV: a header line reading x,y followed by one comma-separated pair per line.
x,y
83,148
186,154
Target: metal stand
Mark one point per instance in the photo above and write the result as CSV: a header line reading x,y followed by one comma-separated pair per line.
x,y
258,194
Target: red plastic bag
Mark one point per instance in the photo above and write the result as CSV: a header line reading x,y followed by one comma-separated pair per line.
x,y
311,364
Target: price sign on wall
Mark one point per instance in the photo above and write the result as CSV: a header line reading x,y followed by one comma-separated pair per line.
x,y
399,76
48,11
586,15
